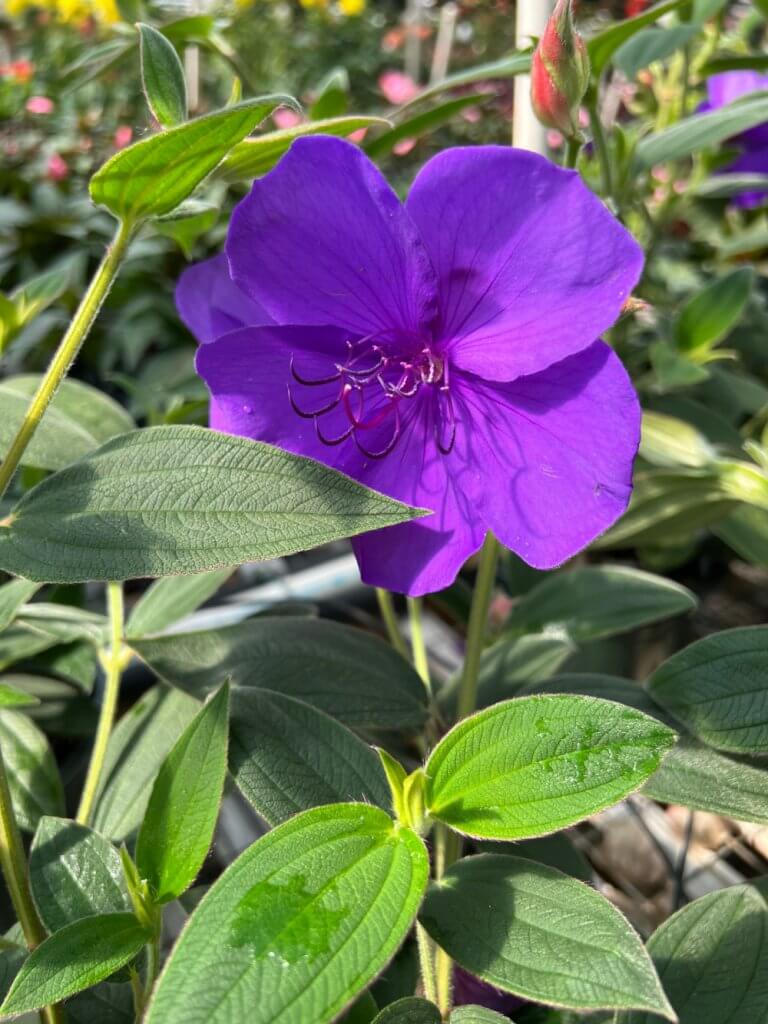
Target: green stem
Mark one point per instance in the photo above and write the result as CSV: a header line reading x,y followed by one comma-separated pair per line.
x,y
153,963
478,622
114,661
387,609
601,145
426,963
65,354
420,662
571,155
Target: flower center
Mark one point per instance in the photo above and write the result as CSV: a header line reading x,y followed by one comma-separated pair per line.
x,y
371,391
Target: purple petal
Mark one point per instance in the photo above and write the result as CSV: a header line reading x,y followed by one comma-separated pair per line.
x,y
531,266
755,162
556,451
322,239
733,85
211,304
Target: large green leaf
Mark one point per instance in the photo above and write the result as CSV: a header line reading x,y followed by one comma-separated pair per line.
x,y
33,777
162,75
409,1011
183,499
595,684
712,958
697,776
287,756
349,674
603,45
138,746
598,601
153,176
537,764
531,930
12,596
79,419
74,872
718,688
421,124
712,313
299,925
650,45
170,599
178,826
73,959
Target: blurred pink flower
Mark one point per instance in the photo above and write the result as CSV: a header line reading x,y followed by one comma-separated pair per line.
x,y
554,139
286,118
472,114
123,136
397,87
39,105
358,136
403,147
57,168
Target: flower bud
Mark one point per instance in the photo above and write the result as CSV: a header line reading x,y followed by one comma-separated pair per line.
x,y
560,72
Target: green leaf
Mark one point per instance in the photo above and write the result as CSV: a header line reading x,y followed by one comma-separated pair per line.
x,y
33,777
10,697
507,67
142,740
349,674
153,176
602,46
73,959
712,958
79,419
525,927
108,1003
725,186
19,643
746,531
332,95
713,312
74,873
409,1011
668,441
615,688
32,297
555,850
651,45
286,757
195,28
717,688
162,77
183,499
187,223
736,62
299,924
421,124
592,602
476,1015
170,599
178,826
255,157
701,131
697,776
12,596
537,764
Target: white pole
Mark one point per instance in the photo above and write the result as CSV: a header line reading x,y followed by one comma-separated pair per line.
x,y
446,29
527,132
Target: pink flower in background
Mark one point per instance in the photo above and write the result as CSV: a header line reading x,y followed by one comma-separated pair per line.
x,y
39,105
359,135
123,136
286,118
57,168
403,147
397,87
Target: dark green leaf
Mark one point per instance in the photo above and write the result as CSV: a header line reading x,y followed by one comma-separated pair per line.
x,y
718,688
350,675
178,826
170,599
19,642
12,596
507,67
736,62
713,312
556,851
602,46
650,45
531,930
299,924
162,77
746,531
74,872
153,176
421,124
286,756
590,684
183,499
106,1003
409,1011
33,777
193,29
537,764
73,959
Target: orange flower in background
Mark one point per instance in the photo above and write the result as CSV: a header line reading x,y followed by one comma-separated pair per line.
x,y
18,70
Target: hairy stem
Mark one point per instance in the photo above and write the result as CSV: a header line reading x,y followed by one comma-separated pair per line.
x,y
65,354
426,963
113,660
421,664
387,609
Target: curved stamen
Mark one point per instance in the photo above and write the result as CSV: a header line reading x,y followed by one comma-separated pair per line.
x,y
332,441
309,415
390,444
313,383
444,415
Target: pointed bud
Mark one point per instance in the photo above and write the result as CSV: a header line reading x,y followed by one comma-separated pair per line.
x,y
560,72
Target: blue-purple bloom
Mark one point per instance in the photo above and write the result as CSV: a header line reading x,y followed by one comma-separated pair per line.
x,y
753,159
442,351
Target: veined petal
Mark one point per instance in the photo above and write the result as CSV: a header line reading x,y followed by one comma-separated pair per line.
x,y
211,304
531,266
549,458
323,239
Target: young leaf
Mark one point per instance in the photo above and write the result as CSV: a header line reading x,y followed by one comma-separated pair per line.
x,y
74,872
524,927
537,764
12,596
713,312
73,959
170,599
10,697
409,1011
183,499
287,756
668,441
716,688
162,77
153,176
181,816
592,602
712,958
33,777
476,1015
349,674
300,924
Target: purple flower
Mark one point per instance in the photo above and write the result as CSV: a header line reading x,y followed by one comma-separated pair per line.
x,y
440,351
469,990
724,89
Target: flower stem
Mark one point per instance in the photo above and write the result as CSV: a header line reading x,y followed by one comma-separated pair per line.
x,y
571,155
66,353
421,664
426,963
601,145
387,609
478,621
113,660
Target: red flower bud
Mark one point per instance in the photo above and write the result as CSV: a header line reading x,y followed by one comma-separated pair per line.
x,y
560,72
